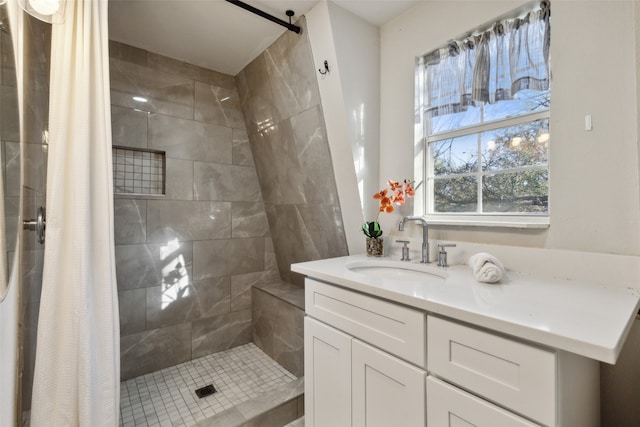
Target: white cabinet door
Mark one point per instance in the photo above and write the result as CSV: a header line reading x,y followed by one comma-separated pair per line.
x,y
327,375
385,390
448,406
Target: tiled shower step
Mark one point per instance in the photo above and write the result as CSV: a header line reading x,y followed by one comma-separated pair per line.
x,y
275,408
296,423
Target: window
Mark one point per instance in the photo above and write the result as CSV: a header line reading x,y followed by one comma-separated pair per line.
x,y
482,106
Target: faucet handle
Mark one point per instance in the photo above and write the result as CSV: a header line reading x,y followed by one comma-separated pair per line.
x,y
442,254
442,246
405,250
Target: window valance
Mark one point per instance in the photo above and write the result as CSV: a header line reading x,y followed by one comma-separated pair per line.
x,y
486,67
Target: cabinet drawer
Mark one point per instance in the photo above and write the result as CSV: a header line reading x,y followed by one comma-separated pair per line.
x,y
395,328
448,406
512,374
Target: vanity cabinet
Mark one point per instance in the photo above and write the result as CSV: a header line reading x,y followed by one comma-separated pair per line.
x,y
353,382
348,382
373,362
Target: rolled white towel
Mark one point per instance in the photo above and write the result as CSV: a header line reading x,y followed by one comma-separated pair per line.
x,y
486,268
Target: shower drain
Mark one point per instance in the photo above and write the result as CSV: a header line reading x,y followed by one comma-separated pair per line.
x,y
205,391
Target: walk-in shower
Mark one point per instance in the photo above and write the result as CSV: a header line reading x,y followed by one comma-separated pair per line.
x,y
187,260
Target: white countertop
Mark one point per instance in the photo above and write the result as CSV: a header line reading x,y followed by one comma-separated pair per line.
x,y
585,318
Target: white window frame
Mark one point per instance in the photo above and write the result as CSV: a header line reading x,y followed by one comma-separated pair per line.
x,y
507,219
423,201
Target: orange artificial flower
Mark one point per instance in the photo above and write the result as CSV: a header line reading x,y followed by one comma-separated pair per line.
x,y
409,191
394,185
400,191
380,195
398,198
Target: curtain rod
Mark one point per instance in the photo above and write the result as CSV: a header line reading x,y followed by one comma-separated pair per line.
x,y
288,25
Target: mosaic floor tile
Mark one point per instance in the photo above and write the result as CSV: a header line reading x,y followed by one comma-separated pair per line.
x,y
167,397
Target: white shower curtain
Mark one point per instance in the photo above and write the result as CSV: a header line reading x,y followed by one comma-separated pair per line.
x,y
77,360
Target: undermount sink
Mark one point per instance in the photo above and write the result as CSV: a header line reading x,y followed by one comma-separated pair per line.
x,y
397,270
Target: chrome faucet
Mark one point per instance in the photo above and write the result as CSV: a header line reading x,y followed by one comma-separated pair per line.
x,y
425,235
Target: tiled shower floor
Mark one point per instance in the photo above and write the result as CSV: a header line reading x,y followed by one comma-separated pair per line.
x,y
167,397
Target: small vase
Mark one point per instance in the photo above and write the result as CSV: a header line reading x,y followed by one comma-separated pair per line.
x,y
374,246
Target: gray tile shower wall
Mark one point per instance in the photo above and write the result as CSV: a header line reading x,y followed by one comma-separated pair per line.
x,y
185,262
281,103
37,54
10,141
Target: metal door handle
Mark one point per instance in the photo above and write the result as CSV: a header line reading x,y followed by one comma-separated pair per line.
x,y
38,225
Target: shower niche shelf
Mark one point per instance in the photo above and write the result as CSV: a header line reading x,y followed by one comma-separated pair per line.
x,y
138,171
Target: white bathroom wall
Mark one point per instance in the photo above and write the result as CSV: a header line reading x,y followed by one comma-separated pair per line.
x,y
620,384
350,102
594,196
357,45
